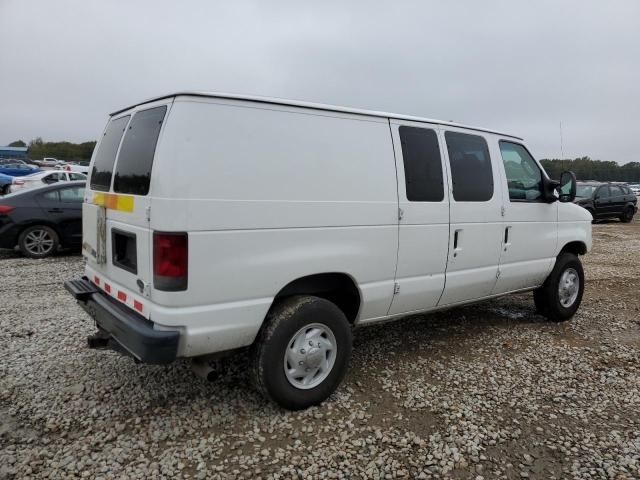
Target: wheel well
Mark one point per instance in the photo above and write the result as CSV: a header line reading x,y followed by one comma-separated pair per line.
x,y
338,288
37,223
577,248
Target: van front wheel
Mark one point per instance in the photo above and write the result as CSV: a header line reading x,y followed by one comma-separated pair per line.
x,y
302,353
560,295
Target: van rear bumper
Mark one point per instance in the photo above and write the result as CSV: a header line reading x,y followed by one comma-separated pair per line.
x,y
134,334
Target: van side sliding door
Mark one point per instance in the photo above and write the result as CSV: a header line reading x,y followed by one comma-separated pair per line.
x,y
476,221
423,216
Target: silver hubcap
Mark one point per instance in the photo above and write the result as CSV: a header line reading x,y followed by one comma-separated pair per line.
x,y
569,287
38,242
310,356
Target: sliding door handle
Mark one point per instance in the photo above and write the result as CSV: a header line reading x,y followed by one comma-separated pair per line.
x,y
507,237
457,236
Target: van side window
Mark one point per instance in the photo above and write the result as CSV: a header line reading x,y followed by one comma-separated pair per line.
x,y
524,177
471,173
422,164
133,169
105,156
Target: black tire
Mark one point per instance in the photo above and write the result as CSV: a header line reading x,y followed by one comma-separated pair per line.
x,y
49,245
285,320
547,298
627,215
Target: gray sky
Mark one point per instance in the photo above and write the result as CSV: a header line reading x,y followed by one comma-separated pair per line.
x,y
519,66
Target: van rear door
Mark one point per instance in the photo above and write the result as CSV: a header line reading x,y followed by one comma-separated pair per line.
x,y
117,238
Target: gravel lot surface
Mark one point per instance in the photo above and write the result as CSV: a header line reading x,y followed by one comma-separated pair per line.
x,y
487,391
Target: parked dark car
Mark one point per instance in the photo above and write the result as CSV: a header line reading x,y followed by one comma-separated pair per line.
x,y
39,221
607,200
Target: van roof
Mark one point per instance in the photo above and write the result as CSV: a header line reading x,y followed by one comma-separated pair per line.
x,y
316,106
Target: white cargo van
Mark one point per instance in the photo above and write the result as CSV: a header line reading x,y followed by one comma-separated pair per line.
x,y
214,222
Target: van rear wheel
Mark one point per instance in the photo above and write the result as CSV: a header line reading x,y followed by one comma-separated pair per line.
x,y
560,295
302,352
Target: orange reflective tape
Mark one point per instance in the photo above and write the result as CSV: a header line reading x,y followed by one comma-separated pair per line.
x,y
114,201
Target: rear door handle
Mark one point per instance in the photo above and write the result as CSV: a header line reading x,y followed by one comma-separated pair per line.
x,y
55,210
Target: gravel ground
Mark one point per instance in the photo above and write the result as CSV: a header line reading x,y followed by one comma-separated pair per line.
x,y
488,391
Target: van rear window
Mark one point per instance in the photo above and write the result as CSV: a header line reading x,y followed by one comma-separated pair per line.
x,y
133,169
105,156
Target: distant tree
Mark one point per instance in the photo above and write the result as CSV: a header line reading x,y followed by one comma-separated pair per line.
x,y
78,152
18,143
586,168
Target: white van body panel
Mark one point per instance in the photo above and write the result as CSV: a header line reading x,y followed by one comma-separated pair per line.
x,y
472,265
530,235
423,239
284,193
574,225
269,192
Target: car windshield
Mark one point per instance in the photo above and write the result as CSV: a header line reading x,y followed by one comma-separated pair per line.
x,y
584,191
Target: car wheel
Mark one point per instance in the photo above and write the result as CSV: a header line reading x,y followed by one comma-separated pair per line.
x,y
627,215
302,352
38,241
560,296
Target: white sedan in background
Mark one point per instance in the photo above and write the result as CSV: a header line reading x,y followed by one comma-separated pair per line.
x,y
635,188
45,178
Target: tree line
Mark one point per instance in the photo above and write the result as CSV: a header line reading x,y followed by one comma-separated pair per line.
x,y
586,168
72,152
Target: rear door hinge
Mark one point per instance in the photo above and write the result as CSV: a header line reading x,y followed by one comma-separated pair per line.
x,y
400,213
502,210
396,288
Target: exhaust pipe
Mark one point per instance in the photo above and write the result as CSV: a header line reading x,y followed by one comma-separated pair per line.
x,y
208,370
99,340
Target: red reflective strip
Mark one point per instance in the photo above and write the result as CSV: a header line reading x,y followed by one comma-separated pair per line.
x,y
137,305
96,280
107,288
122,296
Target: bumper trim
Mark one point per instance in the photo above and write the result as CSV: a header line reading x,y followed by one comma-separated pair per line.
x,y
128,329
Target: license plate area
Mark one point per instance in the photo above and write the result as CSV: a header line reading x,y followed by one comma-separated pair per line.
x,y
124,250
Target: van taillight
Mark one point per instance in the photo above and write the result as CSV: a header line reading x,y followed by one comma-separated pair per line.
x,y
170,261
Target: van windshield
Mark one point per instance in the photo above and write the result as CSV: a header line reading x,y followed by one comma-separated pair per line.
x,y
133,169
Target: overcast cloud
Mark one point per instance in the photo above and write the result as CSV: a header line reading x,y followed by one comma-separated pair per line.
x,y
518,66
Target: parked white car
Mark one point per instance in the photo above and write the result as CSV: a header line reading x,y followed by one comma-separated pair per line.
x,y
635,188
48,162
46,177
215,222
74,167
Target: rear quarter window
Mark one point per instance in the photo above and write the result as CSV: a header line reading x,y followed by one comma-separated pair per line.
x,y
102,170
133,169
72,194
